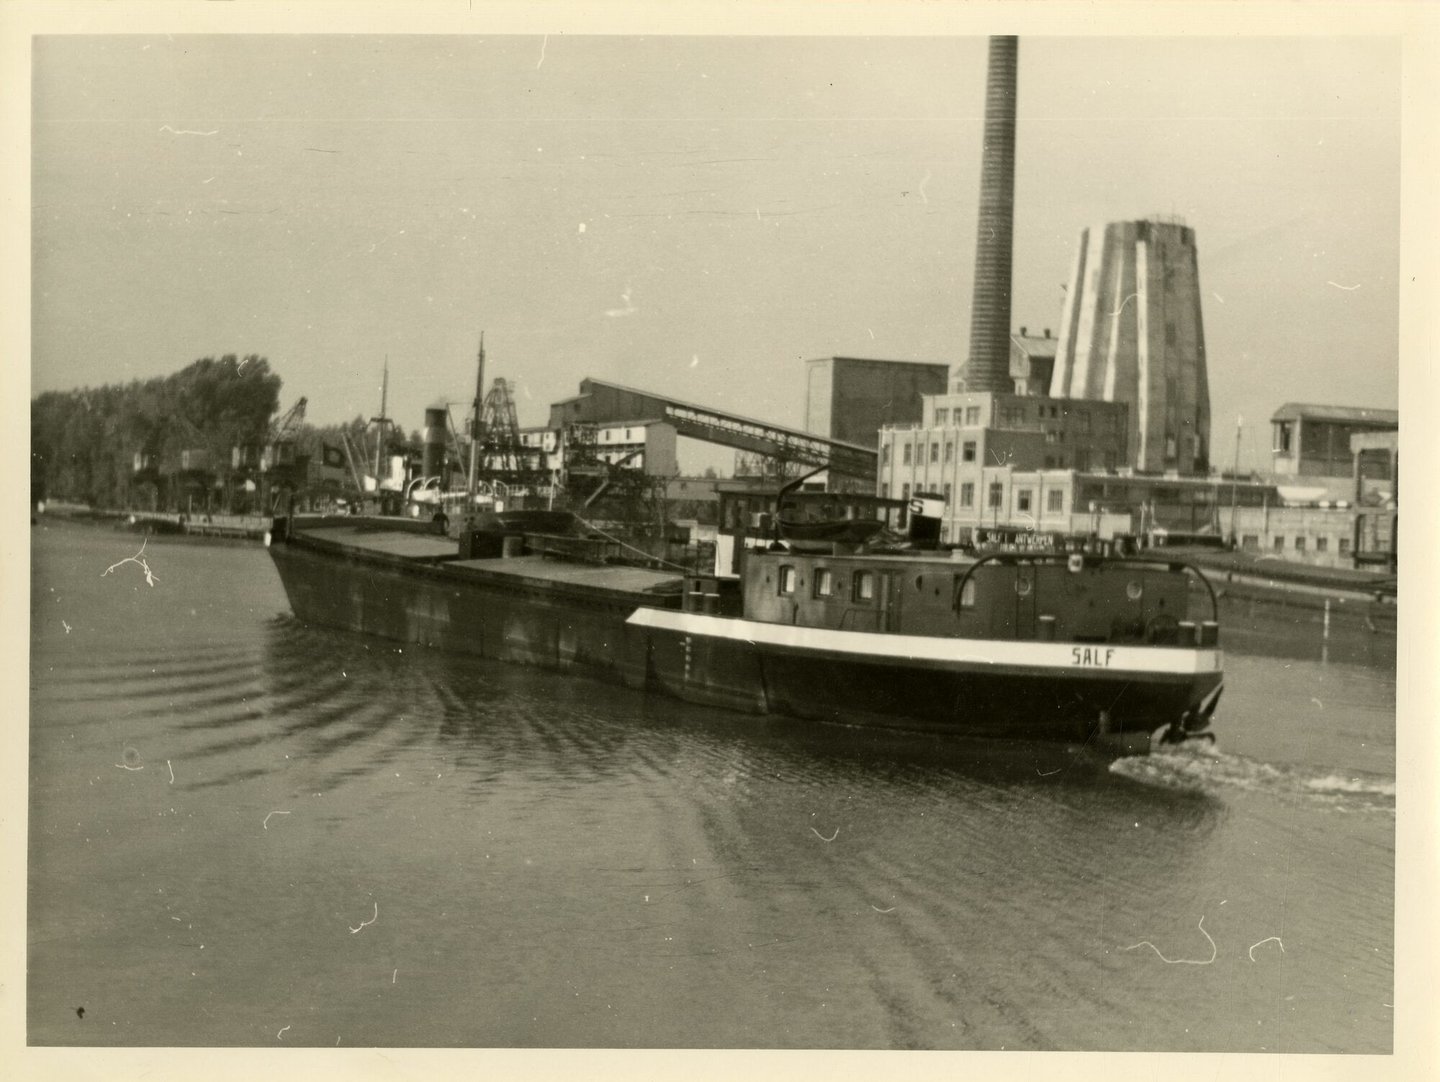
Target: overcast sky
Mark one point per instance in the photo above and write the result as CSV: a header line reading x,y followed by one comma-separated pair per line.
x,y
690,215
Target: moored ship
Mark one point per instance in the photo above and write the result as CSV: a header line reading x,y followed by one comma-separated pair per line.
x,y
1083,647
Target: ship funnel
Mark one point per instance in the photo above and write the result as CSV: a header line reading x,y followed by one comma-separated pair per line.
x,y
988,365
432,461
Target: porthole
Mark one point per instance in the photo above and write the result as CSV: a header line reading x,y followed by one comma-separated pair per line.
x,y
1134,591
1023,586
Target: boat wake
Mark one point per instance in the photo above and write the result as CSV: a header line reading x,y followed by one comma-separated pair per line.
x,y
1204,767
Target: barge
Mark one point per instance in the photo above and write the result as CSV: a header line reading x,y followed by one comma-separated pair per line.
x,y
1081,647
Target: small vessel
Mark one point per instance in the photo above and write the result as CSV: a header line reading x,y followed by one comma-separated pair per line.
x,y
1068,643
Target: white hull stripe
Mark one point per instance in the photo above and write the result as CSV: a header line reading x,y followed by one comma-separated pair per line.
x,y
1082,657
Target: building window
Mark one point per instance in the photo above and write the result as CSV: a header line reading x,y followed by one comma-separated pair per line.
x,y
1083,420
1082,459
1279,544
947,493
1055,500
905,455
884,490
949,451
942,416
1283,432
885,455
967,451
627,435
1250,542
787,580
1299,544
972,415
905,491
824,583
967,494
935,451
1344,546
1052,436
997,493
1322,544
864,585
1022,500
1049,462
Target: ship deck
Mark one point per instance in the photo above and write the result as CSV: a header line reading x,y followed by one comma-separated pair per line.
x,y
421,548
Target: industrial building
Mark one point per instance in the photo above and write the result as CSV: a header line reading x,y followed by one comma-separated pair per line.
x,y
1131,331
852,398
968,446
1314,441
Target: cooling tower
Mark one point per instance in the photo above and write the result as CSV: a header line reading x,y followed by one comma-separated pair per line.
x,y
1131,332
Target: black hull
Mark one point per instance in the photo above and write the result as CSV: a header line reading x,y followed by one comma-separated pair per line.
x,y
604,634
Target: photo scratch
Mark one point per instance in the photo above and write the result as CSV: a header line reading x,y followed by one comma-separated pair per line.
x,y
139,558
367,923
185,131
1214,951
1268,939
822,837
266,824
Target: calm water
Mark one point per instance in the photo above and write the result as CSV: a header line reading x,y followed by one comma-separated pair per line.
x,y
248,832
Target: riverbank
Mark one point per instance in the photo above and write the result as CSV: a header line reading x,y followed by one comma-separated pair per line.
x,y
233,528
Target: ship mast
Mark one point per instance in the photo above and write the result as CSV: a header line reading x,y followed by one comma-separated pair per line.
x,y
475,425
382,420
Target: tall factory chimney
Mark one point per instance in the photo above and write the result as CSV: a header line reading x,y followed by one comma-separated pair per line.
x,y
988,366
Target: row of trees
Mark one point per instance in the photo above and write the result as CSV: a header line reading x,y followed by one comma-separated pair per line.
x,y
83,443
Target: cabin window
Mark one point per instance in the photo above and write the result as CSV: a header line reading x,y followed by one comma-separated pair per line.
x,y
967,451
864,585
1055,500
1022,500
967,494
824,582
967,594
787,580
905,454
